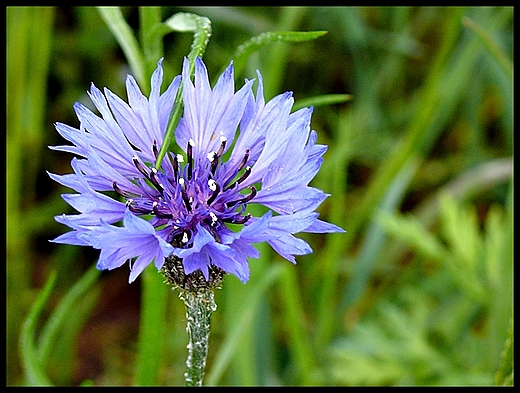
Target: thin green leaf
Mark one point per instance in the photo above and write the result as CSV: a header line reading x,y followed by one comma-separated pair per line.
x,y
327,99
198,46
373,245
493,49
33,369
125,37
505,374
300,343
61,315
152,44
245,50
230,344
151,327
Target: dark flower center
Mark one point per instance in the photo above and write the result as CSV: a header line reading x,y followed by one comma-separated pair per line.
x,y
182,195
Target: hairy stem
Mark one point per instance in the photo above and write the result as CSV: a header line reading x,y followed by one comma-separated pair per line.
x,y
199,307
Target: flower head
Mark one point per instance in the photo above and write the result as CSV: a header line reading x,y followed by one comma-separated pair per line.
x,y
194,206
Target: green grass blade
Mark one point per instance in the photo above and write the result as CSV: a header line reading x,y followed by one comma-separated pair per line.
x,y
61,315
29,33
253,44
501,58
126,39
505,374
230,344
302,352
34,372
151,327
409,148
152,44
327,99
373,244
274,66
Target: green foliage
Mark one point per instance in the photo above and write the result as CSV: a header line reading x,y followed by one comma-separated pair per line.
x,y
32,367
53,351
443,321
416,107
505,374
116,22
245,50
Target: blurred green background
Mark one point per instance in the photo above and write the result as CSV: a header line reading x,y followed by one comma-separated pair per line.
x,y
419,168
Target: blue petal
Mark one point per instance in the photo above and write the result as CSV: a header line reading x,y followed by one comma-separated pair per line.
x,y
205,250
165,105
199,261
157,78
135,224
129,122
210,114
70,238
320,226
233,265
109,143
73,135
288,201
137,239
272,123
293,223
148,117
287,246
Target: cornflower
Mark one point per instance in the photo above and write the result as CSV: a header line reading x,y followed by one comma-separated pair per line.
x,y
189,215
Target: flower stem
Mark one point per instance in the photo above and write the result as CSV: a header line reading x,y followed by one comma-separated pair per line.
x,y
199,307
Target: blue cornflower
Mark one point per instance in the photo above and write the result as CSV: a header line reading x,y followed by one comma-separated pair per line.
x,y
194,206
